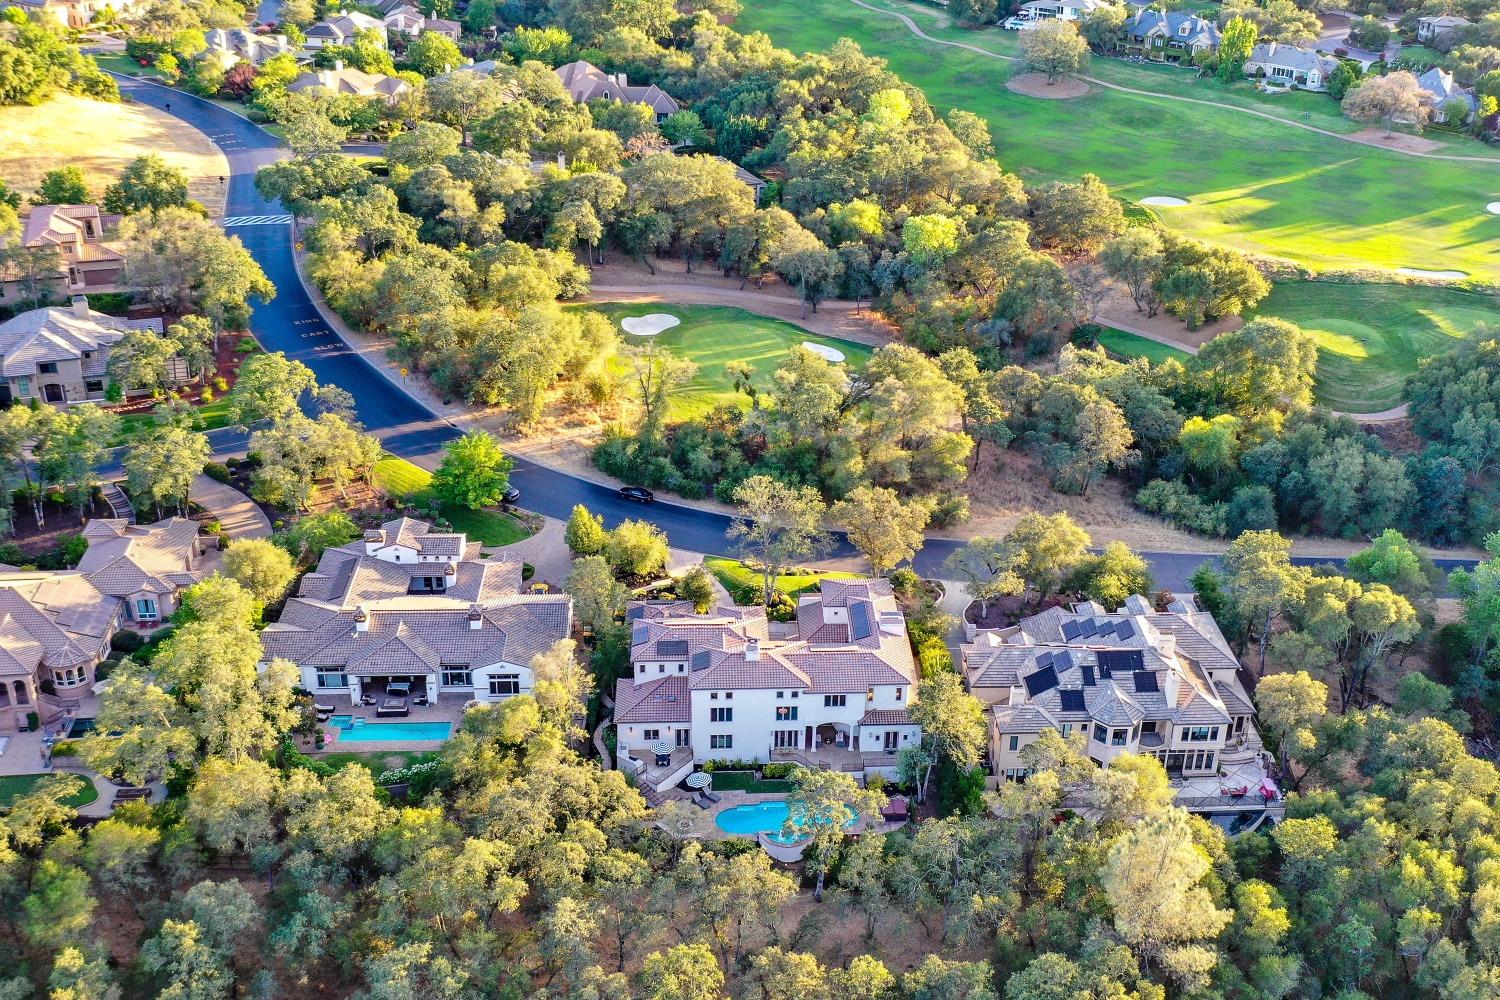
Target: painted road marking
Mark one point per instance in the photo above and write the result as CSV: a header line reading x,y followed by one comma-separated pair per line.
x,y
257,220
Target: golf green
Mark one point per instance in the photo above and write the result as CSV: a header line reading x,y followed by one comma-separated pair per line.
x,y
714,336
1261,186
1370,337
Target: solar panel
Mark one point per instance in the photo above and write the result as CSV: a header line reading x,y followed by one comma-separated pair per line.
x,y
1125,630
1045,660
637,612
1145,680
1088,675
1107,628
1043,680
1088,629
1124,660
1072,701
859,621
639,634
1071,630
672,647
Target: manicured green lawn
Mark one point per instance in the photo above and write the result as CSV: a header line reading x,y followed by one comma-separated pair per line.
x,y
1130,345
712,337
1370,337
1253,184
405,481
735,576
380,761
744,781
210,417
13,786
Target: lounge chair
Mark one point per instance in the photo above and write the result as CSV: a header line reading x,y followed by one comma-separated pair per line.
x,y
323,709
701,802
368,699
711,796
420,699
324,716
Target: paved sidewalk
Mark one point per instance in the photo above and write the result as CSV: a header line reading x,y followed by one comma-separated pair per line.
x,y
239,517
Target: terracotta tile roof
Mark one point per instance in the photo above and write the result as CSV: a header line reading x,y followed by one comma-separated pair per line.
x,y
56,619
887,717
665,699
124,559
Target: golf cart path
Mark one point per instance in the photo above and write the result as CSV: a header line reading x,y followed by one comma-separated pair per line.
x,y
916,30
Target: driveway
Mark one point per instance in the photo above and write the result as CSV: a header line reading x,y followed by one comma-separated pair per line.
x,y
235,512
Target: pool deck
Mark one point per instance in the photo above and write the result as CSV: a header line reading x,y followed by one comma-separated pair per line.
x,y
707,827
449,708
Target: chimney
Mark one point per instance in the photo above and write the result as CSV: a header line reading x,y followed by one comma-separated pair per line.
x,y
752,650
81,306
338,65
361,619
619,79
475,619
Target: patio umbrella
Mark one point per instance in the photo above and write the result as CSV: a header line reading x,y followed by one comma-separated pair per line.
x,y
698,779
662,749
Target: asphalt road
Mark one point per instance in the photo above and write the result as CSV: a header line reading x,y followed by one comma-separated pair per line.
x,y
405,426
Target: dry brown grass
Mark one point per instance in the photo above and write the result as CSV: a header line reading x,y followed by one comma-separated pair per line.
x,y
101,138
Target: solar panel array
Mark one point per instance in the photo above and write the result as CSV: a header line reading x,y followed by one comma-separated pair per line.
x,y
859,621
1088,675
1043,680
1145,680
1125,660
672,647
1072,701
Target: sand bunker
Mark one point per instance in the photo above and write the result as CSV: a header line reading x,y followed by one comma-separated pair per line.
x,y
649,325
1493,208
824,351
1164,201
1419,272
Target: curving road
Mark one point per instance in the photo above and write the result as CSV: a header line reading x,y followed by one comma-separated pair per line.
x,y
405,426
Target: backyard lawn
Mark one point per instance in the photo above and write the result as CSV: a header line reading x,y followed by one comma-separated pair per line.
x,y
745,781
412,484
1310,198
1370,337
1130,345
380,761
13,786
736,576
714,336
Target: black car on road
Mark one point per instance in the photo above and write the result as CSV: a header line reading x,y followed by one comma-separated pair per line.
x,y
637,493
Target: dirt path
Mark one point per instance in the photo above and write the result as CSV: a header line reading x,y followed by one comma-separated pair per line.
x,y
1355,138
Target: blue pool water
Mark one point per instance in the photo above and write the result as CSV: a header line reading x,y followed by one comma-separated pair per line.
x,y
352,730
763,817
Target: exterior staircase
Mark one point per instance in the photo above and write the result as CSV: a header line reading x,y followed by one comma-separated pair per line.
x,y
119,503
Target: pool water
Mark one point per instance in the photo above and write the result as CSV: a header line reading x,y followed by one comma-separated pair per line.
x,y
763,817
351,730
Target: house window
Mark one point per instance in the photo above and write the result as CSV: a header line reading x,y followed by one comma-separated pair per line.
x,y
505,684
1100,733
145,610
794,694
721,742
23,386
721,715
93,385
457,677
786,713
684,737
898,694
332,679
1015,743
47,368
786,739
1200,734
780,695
713,696
835,700
728,695
651,735
1118,738
1067,728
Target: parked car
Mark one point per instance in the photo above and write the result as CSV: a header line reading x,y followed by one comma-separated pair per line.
x,y
511,495
637,493
1014,23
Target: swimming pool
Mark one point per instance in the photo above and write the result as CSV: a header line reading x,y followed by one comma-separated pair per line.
x,y
763,817
351,730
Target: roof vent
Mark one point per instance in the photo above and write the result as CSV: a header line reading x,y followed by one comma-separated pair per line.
x,y
361,619
81,306
475,618
752,650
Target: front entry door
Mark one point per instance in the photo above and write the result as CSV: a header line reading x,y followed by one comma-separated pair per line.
x,y
52,392
890,739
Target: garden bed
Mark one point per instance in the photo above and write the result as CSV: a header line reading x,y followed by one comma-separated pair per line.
x,y
746,781
1003,612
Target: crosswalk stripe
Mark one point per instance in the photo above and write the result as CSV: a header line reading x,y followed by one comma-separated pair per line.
x,y
257,220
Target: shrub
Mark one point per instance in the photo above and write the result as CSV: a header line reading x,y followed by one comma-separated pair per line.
x,y
11,554
221,384
777,771
67,748
33,721
949,509
906,583
126,642
934,658
246,345
114,392
1180,505
206,396
213,470
104,669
